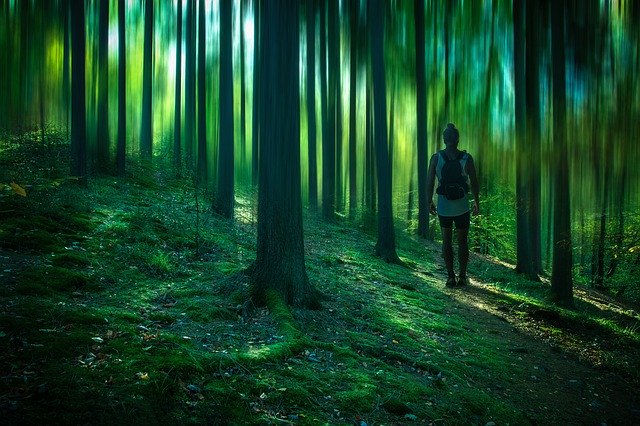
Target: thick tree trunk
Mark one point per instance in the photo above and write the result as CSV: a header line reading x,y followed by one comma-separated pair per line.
x,y
386,245
122,90
146,133
561,275
280,261
225,196
255,123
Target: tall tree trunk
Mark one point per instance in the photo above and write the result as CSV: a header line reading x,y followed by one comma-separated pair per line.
x,y
190,85
311,104
280,263
534,132
243,106
386,245
329,128
353,82
146,133
78,93
122,90
255,119
177,116
102,127
561,275
421,119
224,199
202,95
448,17
66,65
335,77
525,264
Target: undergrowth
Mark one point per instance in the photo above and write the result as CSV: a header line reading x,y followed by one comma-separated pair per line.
x,y
127,300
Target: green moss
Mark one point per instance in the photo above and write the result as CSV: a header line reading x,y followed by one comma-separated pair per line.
x,y
42,280
70,259
205,312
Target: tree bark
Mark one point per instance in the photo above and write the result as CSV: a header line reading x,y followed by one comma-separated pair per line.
x,y
280,261
225,198
328,116
561,275
386,245
202,96
190,85
102,127
255,130
353,82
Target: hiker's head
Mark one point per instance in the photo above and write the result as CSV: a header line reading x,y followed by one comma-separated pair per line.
x,y
451,135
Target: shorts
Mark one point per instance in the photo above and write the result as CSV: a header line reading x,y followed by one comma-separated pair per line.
x,y
462,222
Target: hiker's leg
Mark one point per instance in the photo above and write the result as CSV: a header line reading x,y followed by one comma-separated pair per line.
x,y
462,230
447,250
463,250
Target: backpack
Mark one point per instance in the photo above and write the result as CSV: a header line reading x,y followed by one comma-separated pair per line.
x,y
453,183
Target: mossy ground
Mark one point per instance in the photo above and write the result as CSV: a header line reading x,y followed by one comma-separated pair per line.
x,y
124,302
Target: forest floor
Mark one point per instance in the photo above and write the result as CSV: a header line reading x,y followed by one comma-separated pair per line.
x,y
125,302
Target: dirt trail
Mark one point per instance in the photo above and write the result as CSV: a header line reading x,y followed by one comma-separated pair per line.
x,y
562,377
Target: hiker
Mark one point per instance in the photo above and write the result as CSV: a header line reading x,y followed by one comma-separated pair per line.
x,y
456,175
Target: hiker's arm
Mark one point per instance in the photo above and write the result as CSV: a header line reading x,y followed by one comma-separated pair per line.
x,y
475,186
431,178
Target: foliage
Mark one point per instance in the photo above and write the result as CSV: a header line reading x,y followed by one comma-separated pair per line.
x,y
121,315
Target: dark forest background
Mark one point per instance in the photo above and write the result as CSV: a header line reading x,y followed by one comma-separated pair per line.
x,y
349,99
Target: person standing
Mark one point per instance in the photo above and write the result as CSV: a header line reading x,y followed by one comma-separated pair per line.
x,y
456,175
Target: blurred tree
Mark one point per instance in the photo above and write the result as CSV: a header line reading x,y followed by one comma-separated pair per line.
x,y
190,84
177,120
386,245
146,133
525,261
561,274
122,90
225,195
335,99
328,93
66,65
280,261
311,104
255,119
202,95
421,119
102,124
353,83
78,93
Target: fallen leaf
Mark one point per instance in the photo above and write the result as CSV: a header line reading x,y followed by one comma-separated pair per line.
x,y
142,376
18,189
97,339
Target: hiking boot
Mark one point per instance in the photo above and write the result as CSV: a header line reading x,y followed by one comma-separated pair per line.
x,y
451,282
462,281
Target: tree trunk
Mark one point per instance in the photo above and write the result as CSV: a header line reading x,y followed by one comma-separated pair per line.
x,y
311,104
190,85
177,117
525,264
255,130
102,127
78,100
386,245
146,132
243,106
202,96
329,128
335,76
561,275
534,131
66,65
122,90
280,263
353,82
421,120
225,197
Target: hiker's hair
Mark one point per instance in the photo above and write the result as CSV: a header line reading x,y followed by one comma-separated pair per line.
x,y
451,134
